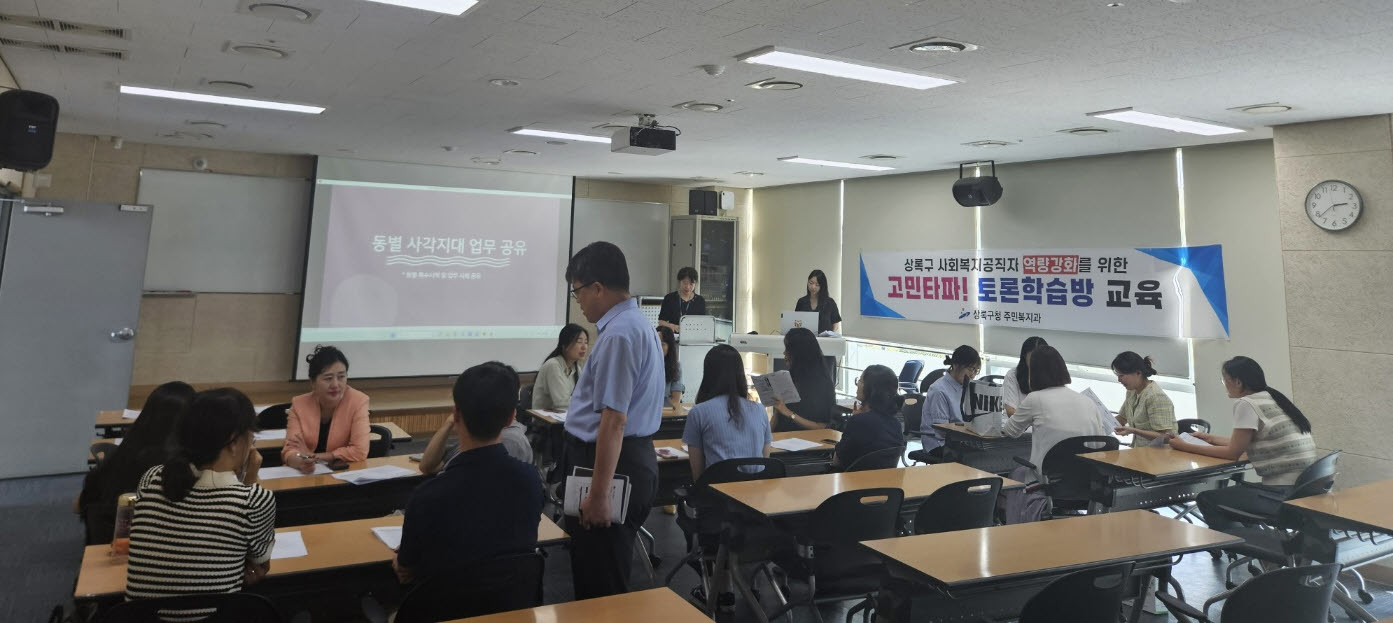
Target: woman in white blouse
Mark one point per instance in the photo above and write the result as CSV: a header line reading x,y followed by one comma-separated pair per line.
x,y
557,377
1053,410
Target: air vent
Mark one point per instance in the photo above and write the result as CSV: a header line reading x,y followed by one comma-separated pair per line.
x,y
700,106
771,84
1086,131
936,45
256,50
231,85
55,25
279,11
59,48
881,157
988,144
182,135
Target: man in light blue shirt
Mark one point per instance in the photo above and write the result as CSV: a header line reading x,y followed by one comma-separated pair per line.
x,y
616,407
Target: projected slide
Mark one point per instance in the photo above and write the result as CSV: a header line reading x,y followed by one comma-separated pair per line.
x,y
431,278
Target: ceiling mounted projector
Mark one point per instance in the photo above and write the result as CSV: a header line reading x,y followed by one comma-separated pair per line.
x,y
646,139
977,191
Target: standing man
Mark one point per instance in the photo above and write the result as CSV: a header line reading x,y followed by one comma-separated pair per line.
x,y
614,411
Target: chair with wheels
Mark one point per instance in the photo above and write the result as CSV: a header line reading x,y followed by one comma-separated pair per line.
x,y
102,450
1065,478
499,584
382,446
224,607
909,375
1294,595
959,506
930,379
884,458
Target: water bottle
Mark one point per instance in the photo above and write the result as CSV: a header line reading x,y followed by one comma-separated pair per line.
x,y
121,536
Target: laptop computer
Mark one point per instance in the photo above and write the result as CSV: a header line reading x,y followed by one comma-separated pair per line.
x,y
797,320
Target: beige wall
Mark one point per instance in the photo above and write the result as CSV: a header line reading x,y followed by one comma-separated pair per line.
x,y
1337,289
795,230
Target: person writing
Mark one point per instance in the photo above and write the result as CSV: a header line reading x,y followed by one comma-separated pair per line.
x,y
818,400
1055,411
1016,385
673,388
557,377
486,503
1275,435
684,302
1147,412
330,422
202,524
818,300
725,423
943,403
146,445
874,426
616,408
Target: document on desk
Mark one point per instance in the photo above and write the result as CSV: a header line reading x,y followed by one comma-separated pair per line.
x,y
578,487
286,471
129,414
1188,438
776,386
794,444
269,434
375,474
389,535
559,416
665,452
289,545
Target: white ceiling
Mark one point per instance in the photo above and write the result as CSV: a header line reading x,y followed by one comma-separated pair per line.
x,y
400,84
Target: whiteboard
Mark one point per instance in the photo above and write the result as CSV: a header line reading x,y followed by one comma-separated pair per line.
x,y
213,232
640,230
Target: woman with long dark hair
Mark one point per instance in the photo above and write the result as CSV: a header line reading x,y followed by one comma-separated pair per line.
x,y
672,370
725,423
202,523
874,426
557,377
1270,429
1016,386
818,400
1147,412
943,402
145,445
819,300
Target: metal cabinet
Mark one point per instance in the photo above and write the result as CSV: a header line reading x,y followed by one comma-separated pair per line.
x,y
709,244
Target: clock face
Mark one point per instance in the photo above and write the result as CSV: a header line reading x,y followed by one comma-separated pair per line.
x,y
1334,205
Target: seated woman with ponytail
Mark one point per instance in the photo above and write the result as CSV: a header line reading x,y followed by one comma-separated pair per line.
x,y
202,523
725,423
943,403
1270,429
873,427
1147,412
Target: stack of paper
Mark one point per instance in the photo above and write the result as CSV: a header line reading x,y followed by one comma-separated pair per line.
x,y
286,471
389,535
289,545
559,416
665,452
273,433
374,474
130,414
794,444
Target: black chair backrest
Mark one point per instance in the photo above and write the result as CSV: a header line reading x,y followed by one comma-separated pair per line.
x,y
912,413
911,370
496,585
230,608
273,417
525,397
884,458
1088,596
960,506
1193,425
741,470
1069,477
842,521
101,450
1290,594
1317,478
933,376
383,444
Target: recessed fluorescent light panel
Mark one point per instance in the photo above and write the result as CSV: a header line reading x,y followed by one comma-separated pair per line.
x,y
818,64
220,99
561,135
448,7
833,163
1174,124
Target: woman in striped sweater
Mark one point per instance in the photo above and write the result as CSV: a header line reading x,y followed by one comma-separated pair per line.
x,y
202,523
1270,429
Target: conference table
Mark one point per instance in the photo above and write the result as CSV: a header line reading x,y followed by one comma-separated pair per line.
x,y
270,449
319,498
1150,477
674,470
989,453
1351,526
990,573
635,607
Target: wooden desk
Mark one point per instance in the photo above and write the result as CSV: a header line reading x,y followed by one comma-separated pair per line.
x,y
328,480
817,436
993,571
111,419
321,498
801,494
1368,507
989,453
330,545
1152,477
637,607
420,407
269,447
674,473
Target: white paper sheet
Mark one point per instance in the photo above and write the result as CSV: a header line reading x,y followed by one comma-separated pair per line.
x,y
559,416
374,474
272,433
130,414
286,471
776,386
1188,438
289,545
665,452
389,535
794,444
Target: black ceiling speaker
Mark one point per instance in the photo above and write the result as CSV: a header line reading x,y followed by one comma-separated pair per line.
x,y
977,191
28,121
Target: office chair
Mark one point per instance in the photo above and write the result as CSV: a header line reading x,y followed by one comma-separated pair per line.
x,y
499,584
1294,595
1089,596
884,458
929,380
959,506
382,446
273,417
1065,478
909,375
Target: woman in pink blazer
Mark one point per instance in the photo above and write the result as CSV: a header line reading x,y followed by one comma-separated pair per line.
x,y
330,422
